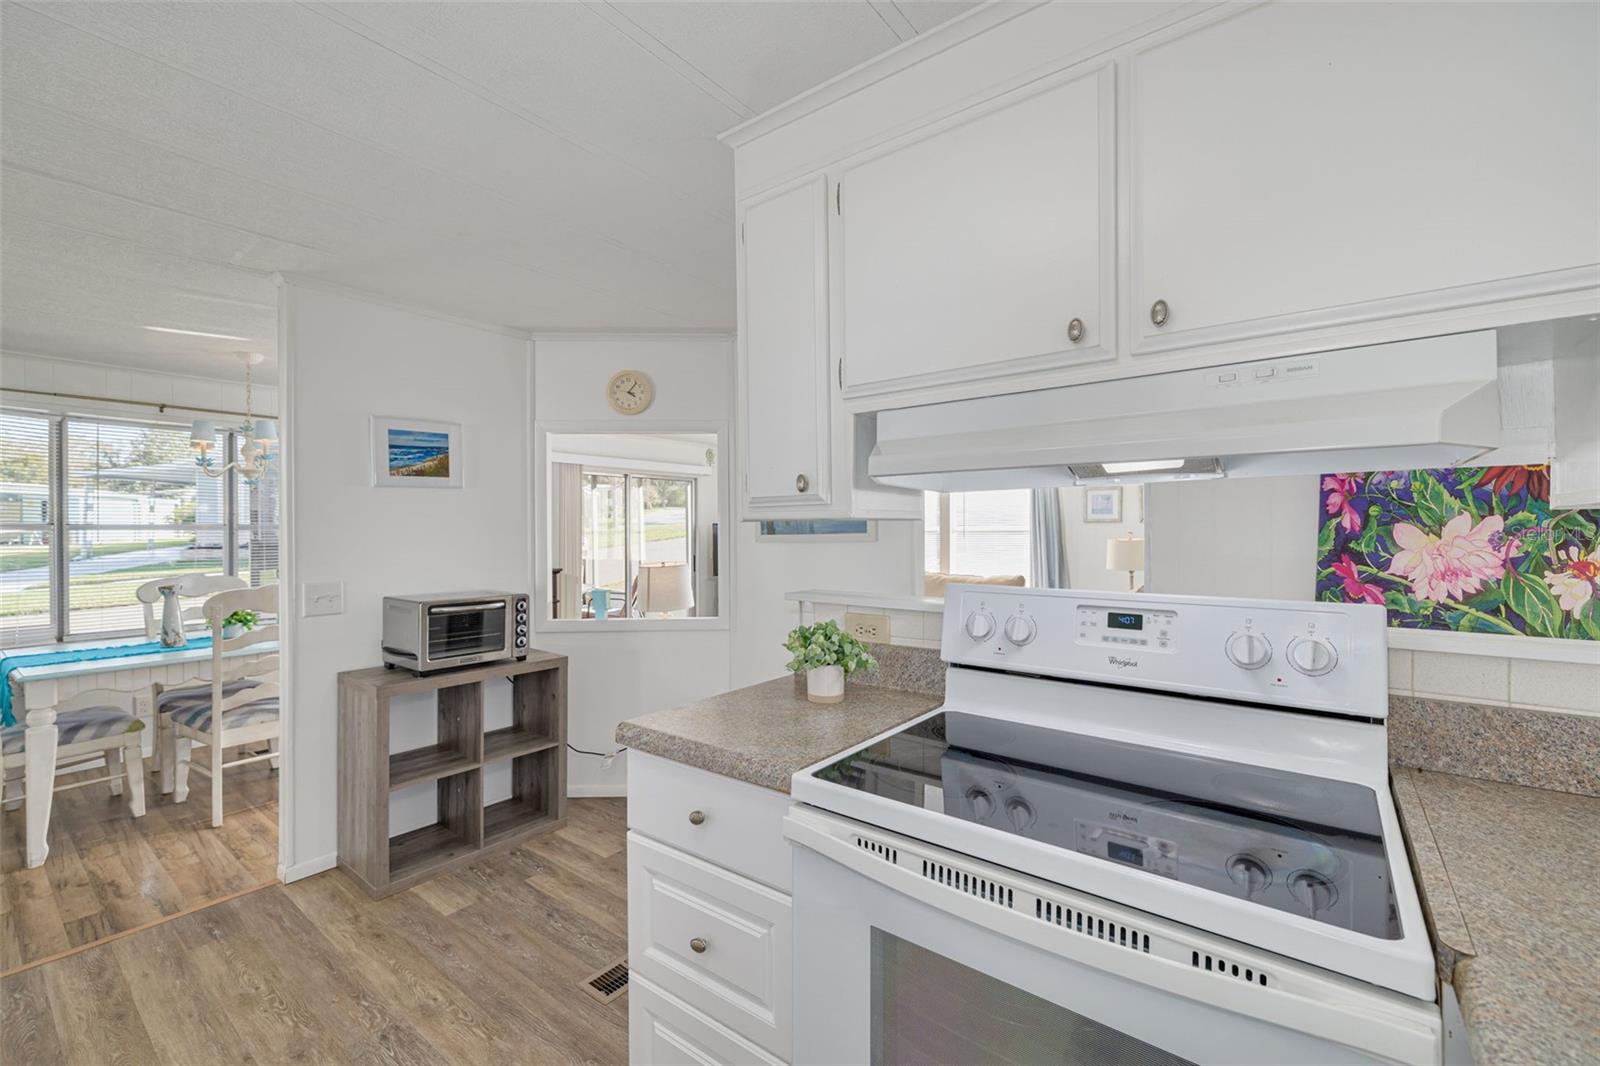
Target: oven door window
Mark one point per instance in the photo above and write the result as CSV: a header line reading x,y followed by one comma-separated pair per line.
x,y
466,630
930,1009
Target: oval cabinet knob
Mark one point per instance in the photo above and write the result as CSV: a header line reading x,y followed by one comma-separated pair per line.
x,y
698,945
1159,312
697,817
1075,330
801,483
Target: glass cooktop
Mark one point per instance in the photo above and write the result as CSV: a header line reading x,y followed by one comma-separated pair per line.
x,y
1300,844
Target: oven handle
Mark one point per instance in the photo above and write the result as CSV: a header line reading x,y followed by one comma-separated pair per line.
x,y
462,608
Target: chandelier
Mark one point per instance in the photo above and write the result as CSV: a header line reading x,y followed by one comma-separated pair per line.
x,y
260,436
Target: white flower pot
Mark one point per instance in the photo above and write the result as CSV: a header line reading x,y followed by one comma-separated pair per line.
x,y
229,632
825,684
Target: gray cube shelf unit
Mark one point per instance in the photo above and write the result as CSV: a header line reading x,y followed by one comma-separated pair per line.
x,y
534,745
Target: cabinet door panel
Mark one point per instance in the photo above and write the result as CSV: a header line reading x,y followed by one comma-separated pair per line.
x,y
784,342
1300,165
968,252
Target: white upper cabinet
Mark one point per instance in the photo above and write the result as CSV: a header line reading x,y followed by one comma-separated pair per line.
x,y
783,349
984,248
1299,166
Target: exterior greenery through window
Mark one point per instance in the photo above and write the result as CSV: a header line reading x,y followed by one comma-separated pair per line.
x,y
90,509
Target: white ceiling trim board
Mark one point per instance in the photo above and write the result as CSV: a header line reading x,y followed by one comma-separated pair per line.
x,y
671,59
893,18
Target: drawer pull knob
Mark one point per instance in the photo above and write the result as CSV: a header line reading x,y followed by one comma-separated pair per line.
x,y
697,817
698,945
801,483
1075,330
1159,313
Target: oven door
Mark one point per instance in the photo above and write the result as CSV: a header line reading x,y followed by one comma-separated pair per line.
x,y
906,953
466,632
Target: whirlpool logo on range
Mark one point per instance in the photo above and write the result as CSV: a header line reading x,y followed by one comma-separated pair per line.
x,y
1122,664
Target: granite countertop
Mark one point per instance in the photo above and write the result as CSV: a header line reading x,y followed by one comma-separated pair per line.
x,y
1510,878
764,733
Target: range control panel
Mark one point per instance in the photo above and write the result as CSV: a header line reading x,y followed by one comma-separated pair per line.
x,y
1126,627
1326,656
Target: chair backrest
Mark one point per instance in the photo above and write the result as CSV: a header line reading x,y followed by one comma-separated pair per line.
x,y
190,587
264,667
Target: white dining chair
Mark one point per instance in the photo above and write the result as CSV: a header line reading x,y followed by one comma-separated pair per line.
x,y
222,716
93,725
193,588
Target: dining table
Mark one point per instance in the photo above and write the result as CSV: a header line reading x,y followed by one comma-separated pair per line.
x,y
37,692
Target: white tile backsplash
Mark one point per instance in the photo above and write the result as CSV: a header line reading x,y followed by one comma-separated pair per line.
x,y
1568,686
1400,671
1474,678
907,624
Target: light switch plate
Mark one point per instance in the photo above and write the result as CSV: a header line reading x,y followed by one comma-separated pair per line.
x,y
869,628
321,597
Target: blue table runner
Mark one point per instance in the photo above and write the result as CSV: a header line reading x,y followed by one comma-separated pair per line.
x,y
9,662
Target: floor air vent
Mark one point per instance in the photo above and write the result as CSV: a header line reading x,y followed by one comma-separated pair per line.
x,y
1213,964
1122,935
882,851
962,881
609,983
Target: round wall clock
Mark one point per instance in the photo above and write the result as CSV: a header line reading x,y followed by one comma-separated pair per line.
x,y
630,392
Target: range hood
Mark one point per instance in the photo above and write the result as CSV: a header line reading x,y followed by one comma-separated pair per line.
x,y
1422,403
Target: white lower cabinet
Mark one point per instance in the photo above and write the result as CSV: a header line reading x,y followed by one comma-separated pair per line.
x,y
665,1031
710,947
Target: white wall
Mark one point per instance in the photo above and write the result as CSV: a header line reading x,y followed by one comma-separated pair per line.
x,y
40,373
620,672
346,360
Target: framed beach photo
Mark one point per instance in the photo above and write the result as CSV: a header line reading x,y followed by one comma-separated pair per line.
x,y
416,453
1102,505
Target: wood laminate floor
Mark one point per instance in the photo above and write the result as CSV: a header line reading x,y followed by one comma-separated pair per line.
x,y
477,966
109,872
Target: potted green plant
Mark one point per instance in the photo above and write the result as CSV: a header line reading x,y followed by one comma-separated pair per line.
x,y
238,623
828,655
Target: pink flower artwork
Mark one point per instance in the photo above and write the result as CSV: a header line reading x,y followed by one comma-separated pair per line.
x,y
1456,563
1340,488
1356,590
1577,581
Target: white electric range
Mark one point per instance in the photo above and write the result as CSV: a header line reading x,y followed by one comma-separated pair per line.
x,y
1141,829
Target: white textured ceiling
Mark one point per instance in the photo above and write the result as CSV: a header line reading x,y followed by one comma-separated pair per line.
x,y
537,165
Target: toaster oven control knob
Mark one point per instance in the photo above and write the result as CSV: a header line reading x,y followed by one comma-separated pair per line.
x,y
1020,629
1312,656
980,625
1248,651
982,802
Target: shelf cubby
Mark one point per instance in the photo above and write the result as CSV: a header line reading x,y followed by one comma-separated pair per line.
x,y
454,763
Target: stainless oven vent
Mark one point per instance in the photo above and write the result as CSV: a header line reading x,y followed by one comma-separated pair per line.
x,y
1218,965
1089,925
961,881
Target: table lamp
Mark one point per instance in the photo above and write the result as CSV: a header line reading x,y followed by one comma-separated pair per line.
x,y
664,588
1125,553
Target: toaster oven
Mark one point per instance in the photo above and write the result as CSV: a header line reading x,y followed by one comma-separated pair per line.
x,y
429,633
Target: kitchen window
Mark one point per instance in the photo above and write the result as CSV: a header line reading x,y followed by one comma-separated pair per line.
x,y
90,509
984,534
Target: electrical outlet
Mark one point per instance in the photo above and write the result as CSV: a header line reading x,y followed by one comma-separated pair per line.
x,y
871,628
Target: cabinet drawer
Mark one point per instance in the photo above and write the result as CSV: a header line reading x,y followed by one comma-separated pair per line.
x,y
738,825
665,1031
720,943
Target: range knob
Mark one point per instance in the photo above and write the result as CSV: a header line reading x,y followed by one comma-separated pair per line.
x,y
1248,651
980,625
982,802
1020,629
1249,873
1020,812
1312,656
1313,890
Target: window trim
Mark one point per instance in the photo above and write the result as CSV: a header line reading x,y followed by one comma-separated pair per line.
x,y
59,527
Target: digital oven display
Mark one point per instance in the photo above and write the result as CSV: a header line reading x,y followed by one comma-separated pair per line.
x,y
1124,621
1123,853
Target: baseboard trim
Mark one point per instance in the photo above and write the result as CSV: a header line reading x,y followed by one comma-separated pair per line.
x,y
593,791
305,869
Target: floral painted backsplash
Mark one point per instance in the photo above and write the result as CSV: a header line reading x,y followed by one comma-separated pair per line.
x,y
1470,549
